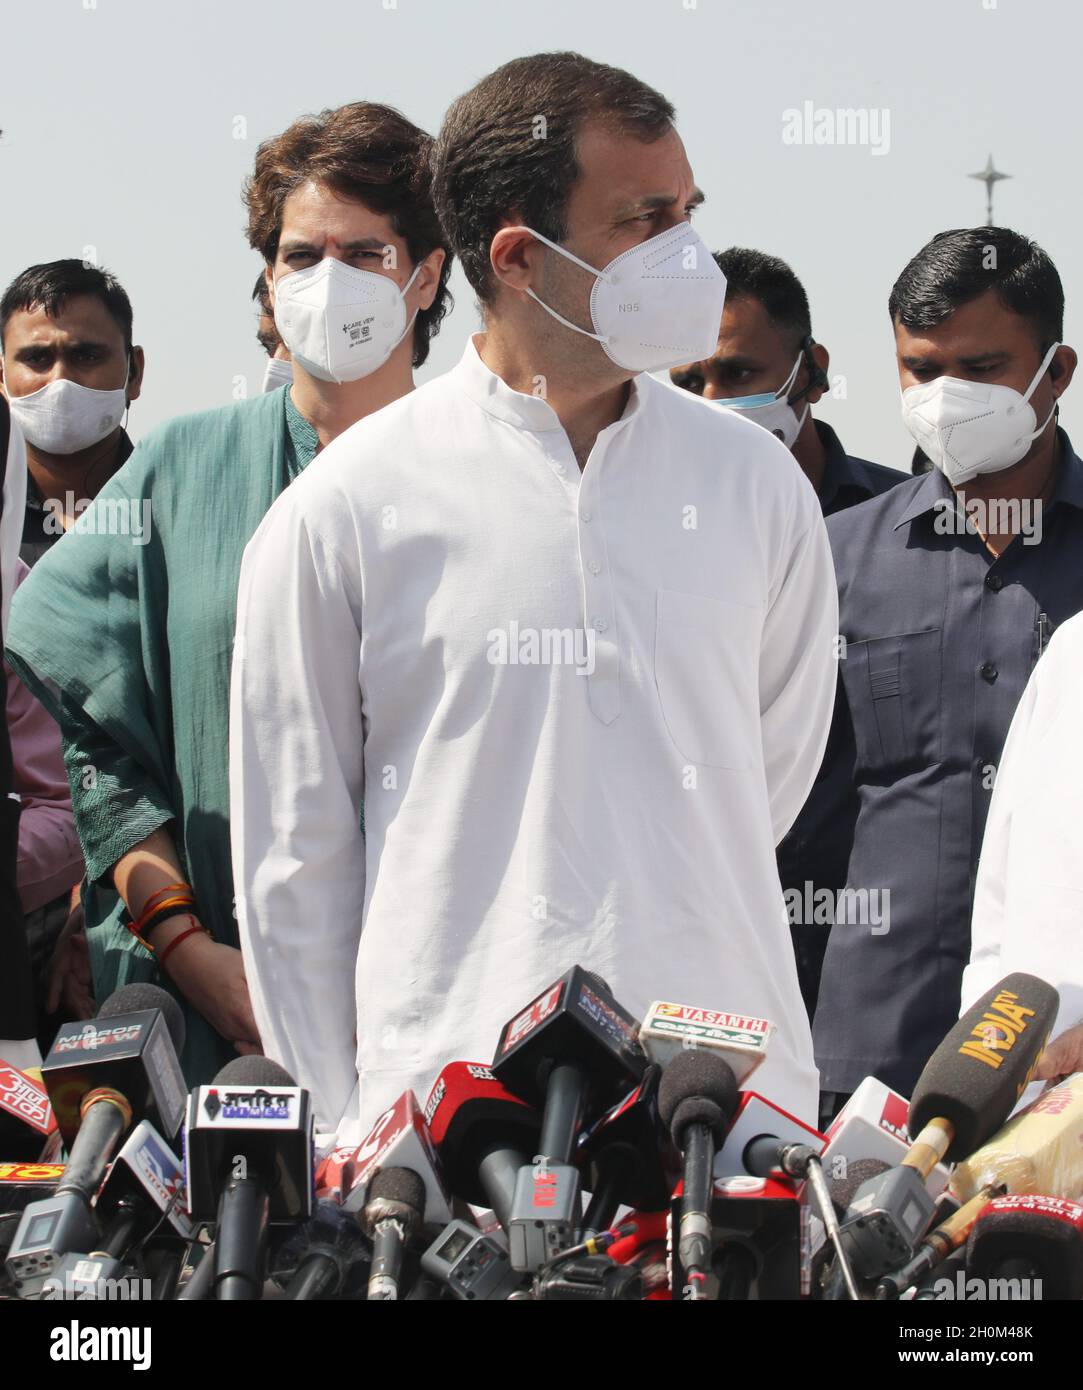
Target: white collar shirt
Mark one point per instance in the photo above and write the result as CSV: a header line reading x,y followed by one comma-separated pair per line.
x,y
579,709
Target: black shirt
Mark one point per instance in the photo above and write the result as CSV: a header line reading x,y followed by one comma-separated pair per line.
x,y
848,480
41,526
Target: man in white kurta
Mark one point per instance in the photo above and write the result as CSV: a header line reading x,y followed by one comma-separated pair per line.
x,y
521,817
1028,898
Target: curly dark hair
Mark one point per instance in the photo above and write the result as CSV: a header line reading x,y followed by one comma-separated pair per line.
x,y
508,147
367,152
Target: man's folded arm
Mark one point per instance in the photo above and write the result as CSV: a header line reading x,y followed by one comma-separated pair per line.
x,y
296,786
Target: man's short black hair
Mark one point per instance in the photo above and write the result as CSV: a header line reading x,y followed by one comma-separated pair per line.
x,y
958,266
773,283
508,147
51,284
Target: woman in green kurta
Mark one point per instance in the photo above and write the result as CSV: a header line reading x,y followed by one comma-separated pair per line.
x,y
128,638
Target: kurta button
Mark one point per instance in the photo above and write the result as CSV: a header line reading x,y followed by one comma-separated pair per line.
x,y
584,515
599,625
594,567
989,672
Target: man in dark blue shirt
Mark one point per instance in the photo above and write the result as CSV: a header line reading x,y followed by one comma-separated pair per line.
x,y
949,587
767,367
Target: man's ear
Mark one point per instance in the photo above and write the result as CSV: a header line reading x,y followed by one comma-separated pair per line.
x,y
135,374
818,359
1062,369
514,256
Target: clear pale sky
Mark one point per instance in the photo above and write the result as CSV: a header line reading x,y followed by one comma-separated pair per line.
x,y
119,121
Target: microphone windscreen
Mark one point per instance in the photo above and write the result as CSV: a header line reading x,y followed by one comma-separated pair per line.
x,y
861,1170
1048,1241
982,1067
133,999
253,1071
398,1185
694,1075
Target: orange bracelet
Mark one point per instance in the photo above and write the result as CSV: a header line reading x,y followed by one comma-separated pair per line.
x,y
162,892
177,941
155,912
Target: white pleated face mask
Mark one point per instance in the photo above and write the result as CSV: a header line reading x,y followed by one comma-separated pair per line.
x,y
971,427
656,305
278,373
341,323
63,417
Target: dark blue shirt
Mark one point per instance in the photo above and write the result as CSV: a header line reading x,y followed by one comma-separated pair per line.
x,y
848,480
941,638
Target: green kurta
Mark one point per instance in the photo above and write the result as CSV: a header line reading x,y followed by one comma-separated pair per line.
x,y
129,645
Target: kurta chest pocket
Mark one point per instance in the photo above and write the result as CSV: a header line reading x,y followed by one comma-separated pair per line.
x,y
893,691
706,669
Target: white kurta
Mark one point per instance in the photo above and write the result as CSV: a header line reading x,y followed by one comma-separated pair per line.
x,y
1028,897
411,613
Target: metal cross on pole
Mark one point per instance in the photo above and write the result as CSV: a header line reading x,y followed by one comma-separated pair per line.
x,y
989,176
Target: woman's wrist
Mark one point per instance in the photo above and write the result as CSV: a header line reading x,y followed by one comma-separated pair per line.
x,y
167,933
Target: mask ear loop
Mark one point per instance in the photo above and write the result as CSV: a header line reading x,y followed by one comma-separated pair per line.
x,y
413,316
598,275
1033,387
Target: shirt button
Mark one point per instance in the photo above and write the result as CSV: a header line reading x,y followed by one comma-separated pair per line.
x,y
560,467
599,624
994,582
584,515
594,567
989,672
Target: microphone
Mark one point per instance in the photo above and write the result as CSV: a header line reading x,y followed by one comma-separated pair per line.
x,y
399,1138
483,1135
621,1157
26,1117
758,1249
319,1259
145,1190
965,1093
668,1029
248,1162
1039,1151
392,1216
696,1098
470,1264
100,1076
572,1051
1030,1237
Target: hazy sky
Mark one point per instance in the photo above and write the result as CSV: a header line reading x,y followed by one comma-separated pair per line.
x,y
120,120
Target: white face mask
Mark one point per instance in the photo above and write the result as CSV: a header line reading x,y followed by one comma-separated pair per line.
x,y
967,427
772,409
341,323
279,373
63,417
656,305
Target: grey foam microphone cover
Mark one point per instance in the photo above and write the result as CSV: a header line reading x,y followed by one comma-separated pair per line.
x,y
132,999
253,1071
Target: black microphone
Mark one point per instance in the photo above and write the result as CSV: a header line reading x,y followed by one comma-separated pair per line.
x,y
696,1100
391,1217
573,1051
1031,1238
622,1157
966,1091
321,1258
101,1076
248,1162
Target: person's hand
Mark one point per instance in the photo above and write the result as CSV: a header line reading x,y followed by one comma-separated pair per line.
x,y
70,981
211,977
1062,1057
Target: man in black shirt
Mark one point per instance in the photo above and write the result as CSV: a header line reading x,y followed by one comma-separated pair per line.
x,y
70,371
768,367
949,587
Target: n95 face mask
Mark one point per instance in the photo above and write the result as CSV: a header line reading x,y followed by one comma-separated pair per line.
x,y
341,323
970,427
655,305
772,409
63,417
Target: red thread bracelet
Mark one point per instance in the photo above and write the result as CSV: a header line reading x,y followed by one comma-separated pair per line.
x,y
189,931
